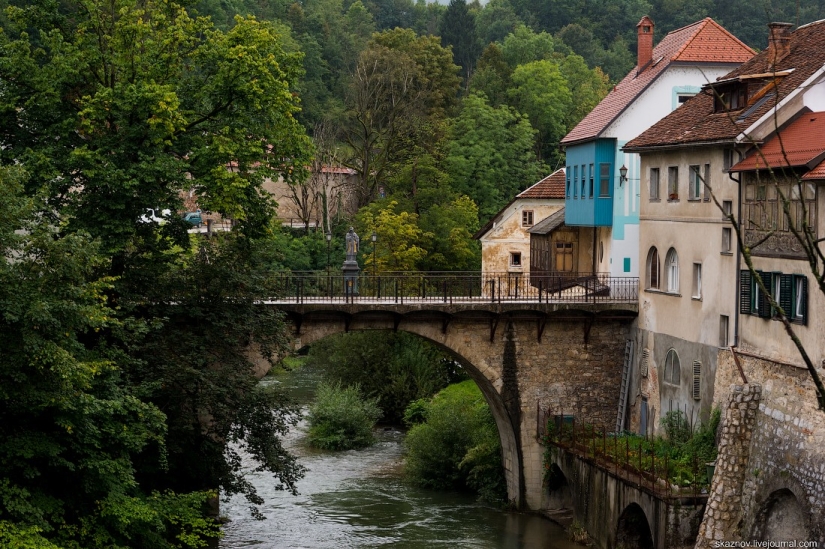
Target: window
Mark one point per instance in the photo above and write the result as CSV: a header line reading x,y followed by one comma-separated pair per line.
x,y
730,97
726,240
697,281
653,268
672,269
575,181
727,207
724,321
707,187
527,218
694,183
790,291
584,180
654,183
673,183
672,368
591,180
682,97
604,179
697,380
567,172
515,259
564,256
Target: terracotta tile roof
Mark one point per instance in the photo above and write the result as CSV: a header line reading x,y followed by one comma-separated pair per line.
x,y
695,122
802,143
551,186
704,41
817,173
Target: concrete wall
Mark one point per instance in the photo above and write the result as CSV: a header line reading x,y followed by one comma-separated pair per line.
x,y
517,374
599,500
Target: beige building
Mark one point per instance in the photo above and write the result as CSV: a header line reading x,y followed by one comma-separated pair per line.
x,y
705,329
304,205
505,240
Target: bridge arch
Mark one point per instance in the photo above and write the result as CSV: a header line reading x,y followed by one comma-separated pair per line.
x,y
633,528
481,369
782,517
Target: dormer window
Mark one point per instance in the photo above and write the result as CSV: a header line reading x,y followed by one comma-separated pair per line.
x,y
730,98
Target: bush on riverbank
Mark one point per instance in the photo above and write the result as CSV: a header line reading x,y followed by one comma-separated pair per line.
x,y
456,446
394,368
341,419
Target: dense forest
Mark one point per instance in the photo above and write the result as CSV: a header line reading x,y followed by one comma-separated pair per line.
x,y
126,384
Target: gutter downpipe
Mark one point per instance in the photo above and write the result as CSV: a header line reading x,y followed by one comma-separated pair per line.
x,y
738,261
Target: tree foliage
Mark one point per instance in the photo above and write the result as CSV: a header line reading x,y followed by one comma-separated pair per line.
x,y
341,419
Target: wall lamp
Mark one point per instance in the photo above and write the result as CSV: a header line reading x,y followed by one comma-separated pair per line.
x,y
622,174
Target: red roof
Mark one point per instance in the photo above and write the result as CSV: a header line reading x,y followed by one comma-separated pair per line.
x,y
705,41
817,173
802,143
695,121
552,186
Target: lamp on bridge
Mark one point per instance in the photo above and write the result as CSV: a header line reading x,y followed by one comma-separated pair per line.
x,y
622,174
328,236
374,239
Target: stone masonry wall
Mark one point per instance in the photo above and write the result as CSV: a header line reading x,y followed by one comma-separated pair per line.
x,y
786,453
723,511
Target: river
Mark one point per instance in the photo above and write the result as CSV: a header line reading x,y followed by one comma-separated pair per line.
x,y
358,498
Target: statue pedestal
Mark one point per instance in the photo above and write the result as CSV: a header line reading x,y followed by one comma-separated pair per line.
x,y
351,271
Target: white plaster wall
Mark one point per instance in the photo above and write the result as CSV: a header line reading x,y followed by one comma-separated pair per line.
x,y
657,100
694,229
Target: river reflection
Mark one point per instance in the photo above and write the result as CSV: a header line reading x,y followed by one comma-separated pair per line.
x,y
358,499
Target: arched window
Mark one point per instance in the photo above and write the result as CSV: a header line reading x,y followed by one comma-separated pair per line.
x,y
653,268
672,373
672,270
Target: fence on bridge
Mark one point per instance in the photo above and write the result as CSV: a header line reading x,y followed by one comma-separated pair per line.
x,y
450,287
652,463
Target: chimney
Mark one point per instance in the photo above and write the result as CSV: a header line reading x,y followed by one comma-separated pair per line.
x,y
779,43
645,44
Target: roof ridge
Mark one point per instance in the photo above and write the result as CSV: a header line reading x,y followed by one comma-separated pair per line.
x,y
542,180
699,22
811,24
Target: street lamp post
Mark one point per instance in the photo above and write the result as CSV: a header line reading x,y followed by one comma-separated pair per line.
x,y
328,236
329,241
374,239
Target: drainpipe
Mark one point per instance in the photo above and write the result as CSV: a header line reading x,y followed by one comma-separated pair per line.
x,y
738,260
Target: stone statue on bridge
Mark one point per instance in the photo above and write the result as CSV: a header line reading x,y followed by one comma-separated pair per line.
x,y
352,244
350,267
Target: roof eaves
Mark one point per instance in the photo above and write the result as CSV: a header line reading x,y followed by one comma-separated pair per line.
x,y
674,146
490,224
743,136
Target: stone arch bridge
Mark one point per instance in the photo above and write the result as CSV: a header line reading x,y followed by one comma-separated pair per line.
x,y
525,347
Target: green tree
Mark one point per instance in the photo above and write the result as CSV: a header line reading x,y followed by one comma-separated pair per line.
x,y
496,21
458,30
451,246
542,93
74,435
400,236
341,419
524,45
587,88
490,154
492,76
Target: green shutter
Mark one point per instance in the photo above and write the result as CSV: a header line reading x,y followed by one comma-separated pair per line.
x,y
764,304
745,292
803,317
786,294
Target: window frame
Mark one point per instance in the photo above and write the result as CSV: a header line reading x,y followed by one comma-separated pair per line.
x,y
672,270
653,184
727,240
515,259
527,218
694,183
669,370
724,331
604,179
697,281
673,183
653,263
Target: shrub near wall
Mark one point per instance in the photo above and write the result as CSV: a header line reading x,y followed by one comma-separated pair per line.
x,y
455,445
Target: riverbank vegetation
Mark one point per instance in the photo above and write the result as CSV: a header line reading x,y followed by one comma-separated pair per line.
x,y
340,418
394,368
680,456
453,443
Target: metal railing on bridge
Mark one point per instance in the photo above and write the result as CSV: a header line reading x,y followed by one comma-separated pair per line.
x,y
454,287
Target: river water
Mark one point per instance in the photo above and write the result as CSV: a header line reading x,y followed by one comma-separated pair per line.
x,y
358,498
